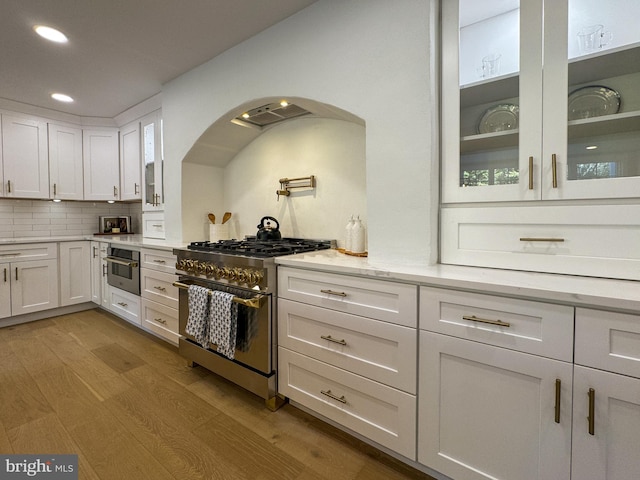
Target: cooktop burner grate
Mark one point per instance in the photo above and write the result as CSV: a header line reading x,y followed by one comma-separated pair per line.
x,y
251,247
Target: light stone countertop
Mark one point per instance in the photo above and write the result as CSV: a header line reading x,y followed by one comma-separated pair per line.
x,y
619,295
125,240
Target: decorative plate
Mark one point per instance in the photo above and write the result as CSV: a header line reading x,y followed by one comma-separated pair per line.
x,y
593,101
499,118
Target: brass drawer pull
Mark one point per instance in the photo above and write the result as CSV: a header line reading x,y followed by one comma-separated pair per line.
x,y
122,304
592,411
473,318
159,261
331,339
558,389
334,397
162,289
541,239
331,292
160,320
13,254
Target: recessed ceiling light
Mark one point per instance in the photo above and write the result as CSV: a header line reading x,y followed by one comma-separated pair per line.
x,y
51,34
284,103
61,97
592,147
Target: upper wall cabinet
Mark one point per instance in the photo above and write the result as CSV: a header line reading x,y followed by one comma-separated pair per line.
x,y
130,162
541,100
101,164
65,163
25,164
152,162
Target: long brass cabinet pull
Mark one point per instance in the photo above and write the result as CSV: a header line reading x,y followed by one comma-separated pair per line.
x,y
592,411
5,275
334,340
9,186
541,239
530,173
554,170
335,397
331,292
115,191
136,189
55,190
16,273
558,393
473,318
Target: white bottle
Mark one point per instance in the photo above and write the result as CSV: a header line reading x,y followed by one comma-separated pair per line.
x,y
357,237
347,235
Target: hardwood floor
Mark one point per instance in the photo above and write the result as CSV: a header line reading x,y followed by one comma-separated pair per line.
x,y
130,407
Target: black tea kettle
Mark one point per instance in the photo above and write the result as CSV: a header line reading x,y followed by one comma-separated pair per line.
x,y
266,231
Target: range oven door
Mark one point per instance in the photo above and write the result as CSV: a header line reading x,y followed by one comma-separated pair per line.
x,y
124,269
254,336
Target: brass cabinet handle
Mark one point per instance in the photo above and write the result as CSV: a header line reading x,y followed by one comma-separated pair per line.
x,y
11,254
104,269
16,273
9,186
331,292
530,173
55,190
331,339
473,318
95,250
160,320
554,170
121,262
592,411
122,304
558,390
331,395
162,289
159,261
541,239
115,191
136,188
5,275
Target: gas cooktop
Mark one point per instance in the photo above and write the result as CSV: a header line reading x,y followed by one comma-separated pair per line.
x,y
252,247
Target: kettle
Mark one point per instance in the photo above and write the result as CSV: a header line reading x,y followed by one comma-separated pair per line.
x,y
268,232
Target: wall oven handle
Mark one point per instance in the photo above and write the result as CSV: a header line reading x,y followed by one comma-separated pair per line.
x,y
121,262
253,302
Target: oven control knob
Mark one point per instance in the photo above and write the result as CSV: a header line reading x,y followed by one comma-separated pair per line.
x,y
191,266
210,270
201,267
256,277
225,272
180,265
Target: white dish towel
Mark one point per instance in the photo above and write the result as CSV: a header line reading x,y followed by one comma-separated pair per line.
x,y
223,322
198,320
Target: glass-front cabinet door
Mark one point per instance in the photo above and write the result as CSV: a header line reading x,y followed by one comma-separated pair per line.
x,y
540,100
152,162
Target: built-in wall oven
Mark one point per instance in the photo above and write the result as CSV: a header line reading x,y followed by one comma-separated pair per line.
x,y
247,270
124,269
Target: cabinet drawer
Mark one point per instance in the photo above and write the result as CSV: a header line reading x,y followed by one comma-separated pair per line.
x,y
158,286
599,241
125,305
30,251
160,319
382,300
608,341
153,225
383,414
160,260
531,327
377,350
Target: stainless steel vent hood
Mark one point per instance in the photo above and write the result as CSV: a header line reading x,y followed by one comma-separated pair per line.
x,y
271,113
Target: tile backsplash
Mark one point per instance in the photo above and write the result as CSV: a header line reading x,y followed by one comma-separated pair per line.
x,y
44,218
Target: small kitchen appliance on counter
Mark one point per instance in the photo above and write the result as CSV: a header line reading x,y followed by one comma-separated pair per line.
x,y
246,269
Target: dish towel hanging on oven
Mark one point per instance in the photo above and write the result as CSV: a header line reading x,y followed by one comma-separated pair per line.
x,y
198,320
223,322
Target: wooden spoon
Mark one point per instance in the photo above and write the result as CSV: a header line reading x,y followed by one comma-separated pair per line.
x,y
226,217
212,218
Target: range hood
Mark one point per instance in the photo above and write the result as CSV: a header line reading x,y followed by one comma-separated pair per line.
x,y
271,113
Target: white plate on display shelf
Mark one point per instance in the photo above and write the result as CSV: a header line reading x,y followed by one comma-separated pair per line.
x,y
499,118
593,101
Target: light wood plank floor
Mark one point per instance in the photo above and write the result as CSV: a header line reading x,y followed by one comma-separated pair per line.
x,y
130,407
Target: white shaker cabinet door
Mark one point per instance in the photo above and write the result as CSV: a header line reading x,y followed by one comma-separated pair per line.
x,y
75,272
65,163
130,162
101,164
5,290
490,413
34,286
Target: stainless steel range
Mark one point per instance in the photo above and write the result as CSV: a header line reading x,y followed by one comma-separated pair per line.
x,y
247,270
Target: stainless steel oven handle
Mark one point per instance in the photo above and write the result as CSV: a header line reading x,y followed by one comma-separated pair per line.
x,y
121,262
253,302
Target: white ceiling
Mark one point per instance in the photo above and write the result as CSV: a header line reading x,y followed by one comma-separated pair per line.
x,y
120,52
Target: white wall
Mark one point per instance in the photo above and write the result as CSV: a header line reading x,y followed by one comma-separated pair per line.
x,y
374,58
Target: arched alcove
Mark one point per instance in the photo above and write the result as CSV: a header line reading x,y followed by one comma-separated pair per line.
x,y
236,167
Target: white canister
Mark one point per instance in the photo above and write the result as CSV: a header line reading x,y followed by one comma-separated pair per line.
x,y
347,235
218,232
358,237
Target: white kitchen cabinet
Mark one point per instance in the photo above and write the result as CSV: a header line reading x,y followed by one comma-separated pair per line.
x,y
606,417
65,163
347,351
99,251
152,162
25,163
101,164
487,412
153,225
124,304
75,273
29,275
130,162
159,296
540,153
